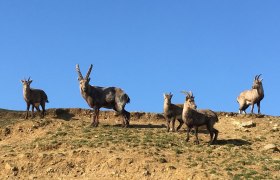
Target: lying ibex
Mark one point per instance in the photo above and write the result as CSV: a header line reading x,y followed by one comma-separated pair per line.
x,y
107,97
34,97
251,97
172,112
195,118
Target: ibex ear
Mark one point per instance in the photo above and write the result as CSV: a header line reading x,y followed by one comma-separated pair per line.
x,y
30,81
88,79
79,79
22,81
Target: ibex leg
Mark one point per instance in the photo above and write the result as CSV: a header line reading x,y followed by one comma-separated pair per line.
x,y
126,118
259,107
180,125
196,135
173,124
252,109
27,109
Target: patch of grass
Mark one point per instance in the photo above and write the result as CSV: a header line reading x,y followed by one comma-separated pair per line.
x,y
178,151
276,167
265,168
60,133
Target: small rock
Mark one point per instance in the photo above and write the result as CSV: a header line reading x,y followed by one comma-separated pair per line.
x,y
172,167
275,129
272,147
162,160
50,170
20,129
8,166
147,173
130,161
15,170
248,124
236,123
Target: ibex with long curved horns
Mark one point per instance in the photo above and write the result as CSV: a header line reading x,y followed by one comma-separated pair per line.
x,y
251,97
107,97
34,97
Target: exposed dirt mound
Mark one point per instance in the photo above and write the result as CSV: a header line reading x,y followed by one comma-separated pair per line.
x,y
63,145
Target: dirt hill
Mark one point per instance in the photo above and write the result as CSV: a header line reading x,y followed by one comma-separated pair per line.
x,y
63,145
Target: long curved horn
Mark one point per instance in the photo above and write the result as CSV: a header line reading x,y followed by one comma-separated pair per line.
x,y
89,71
185,92
79,72
258,77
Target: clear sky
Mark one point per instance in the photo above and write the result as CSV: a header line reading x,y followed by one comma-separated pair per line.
x,y
148,47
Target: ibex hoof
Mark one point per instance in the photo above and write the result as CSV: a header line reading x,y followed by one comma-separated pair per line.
x,y
94,124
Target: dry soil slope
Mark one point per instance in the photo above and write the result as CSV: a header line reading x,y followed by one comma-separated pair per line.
x,y
63,146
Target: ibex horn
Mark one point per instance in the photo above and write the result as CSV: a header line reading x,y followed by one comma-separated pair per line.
x,y
259,76
88,73
79,72
184,92
191,94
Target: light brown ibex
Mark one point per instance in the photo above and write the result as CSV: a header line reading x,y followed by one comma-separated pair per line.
x,y
34,97
107,97
251,97
172,112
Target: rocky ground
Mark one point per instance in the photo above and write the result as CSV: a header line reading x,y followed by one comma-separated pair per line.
x,y
63,145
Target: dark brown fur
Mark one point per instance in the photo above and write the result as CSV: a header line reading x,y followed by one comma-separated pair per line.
x,y
106,97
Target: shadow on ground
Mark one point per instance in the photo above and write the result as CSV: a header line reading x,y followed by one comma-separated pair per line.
x,y
236,142
63,114
142,126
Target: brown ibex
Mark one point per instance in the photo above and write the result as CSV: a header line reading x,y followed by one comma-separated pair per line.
x,y
107,97
172,112
195,118
34,97
251,97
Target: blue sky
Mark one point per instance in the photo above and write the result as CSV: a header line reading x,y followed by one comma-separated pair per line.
x,y
214,48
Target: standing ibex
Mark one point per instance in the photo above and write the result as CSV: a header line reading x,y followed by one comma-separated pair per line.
x,y
195,118
172,112
34,97
107,97
251,97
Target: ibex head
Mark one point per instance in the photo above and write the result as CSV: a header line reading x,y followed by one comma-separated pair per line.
x,y
84,82
257,82
168,97
189,99
26,83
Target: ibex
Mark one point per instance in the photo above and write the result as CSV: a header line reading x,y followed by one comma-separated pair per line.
x,y
107,97
251,97
172,112
34,97
195,118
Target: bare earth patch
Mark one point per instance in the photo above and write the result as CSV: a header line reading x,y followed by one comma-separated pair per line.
x,y
64,146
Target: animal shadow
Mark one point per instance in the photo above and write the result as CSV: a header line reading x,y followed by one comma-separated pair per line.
x,y
143,126
64,114
236,142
